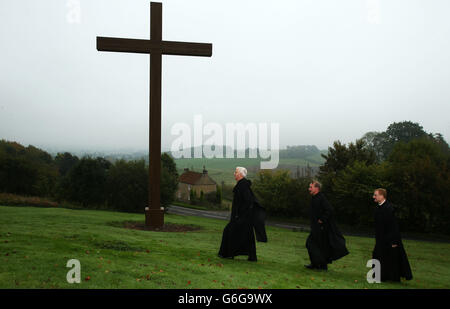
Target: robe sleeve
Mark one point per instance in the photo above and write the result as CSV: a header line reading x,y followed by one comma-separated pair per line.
x,y
246,205
379,225
233,209
326,210
392,232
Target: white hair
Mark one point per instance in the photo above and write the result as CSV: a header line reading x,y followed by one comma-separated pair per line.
x,y
242,171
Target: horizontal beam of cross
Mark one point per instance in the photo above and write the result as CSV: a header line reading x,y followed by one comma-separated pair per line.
x,y
149,46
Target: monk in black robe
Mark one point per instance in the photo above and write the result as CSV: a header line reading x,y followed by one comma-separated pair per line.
x,y
389,248
246,216
325,243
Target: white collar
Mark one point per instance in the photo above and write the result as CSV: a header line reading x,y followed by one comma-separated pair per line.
x,y
382,203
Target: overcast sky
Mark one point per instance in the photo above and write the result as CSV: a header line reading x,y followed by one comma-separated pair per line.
x,y
325,70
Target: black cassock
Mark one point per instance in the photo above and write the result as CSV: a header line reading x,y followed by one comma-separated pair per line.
x,y
393,261
325,243
247,218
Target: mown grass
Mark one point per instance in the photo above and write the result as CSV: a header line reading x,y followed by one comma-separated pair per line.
x,y
36,243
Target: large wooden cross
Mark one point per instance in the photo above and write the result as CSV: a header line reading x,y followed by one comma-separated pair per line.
x,y
156,47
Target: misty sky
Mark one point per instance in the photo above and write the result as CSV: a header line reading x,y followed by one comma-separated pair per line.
x,y
325,70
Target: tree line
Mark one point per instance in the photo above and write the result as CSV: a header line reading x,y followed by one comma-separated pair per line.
x,y
411,164
91,182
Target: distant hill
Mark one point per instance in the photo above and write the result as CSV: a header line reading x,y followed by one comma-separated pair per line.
x,y
299,160
293,152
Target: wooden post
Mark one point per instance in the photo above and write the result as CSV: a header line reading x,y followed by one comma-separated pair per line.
x,y
156,47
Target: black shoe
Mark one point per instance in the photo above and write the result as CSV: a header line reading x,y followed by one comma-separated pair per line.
x,y
310,266
225,257
252,259
323,267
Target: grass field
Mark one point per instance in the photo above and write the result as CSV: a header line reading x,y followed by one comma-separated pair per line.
x,y
36,243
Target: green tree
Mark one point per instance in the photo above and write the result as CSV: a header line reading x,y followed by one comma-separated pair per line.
x,y
65,161
280,194
218,195
169,179
26,170
127,186
353,190
192,197
340,156
86,182
17,175
382,143
420,177
404,131
440,141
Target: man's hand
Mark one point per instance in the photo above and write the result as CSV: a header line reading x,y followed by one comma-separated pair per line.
x,y
394,246
320,221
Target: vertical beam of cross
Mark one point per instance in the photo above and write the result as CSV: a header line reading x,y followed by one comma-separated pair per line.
x,y
155,115
156,47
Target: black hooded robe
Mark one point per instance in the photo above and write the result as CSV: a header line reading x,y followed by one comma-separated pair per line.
x,y
246,215
393,261
325,242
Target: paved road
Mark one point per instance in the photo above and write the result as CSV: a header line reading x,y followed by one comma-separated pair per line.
x,y
225,215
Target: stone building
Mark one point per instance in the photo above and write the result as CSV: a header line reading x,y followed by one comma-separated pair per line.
x,y
196,181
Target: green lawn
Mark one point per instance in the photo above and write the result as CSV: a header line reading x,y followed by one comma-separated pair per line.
x,y
36,243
